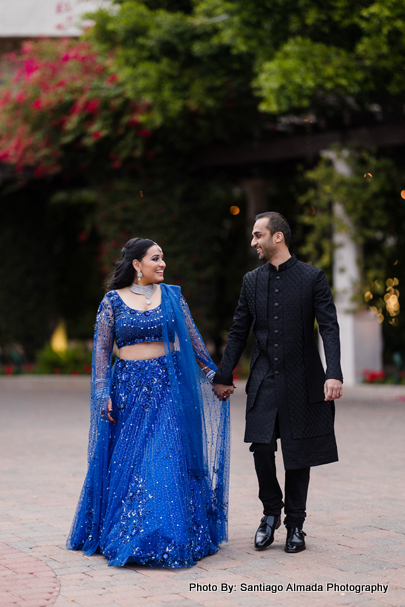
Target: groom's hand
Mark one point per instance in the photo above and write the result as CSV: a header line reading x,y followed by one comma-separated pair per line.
x,y
333,389
222,392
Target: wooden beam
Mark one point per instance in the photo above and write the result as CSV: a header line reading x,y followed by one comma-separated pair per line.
x,y
285,147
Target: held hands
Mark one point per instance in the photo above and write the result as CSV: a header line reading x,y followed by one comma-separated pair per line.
x,y
223,392
220,391
333,389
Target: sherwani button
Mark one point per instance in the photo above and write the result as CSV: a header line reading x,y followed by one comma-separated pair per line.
x,y
277,277
276,372
276,359
276,331
276,318
276,345
277,291
276,304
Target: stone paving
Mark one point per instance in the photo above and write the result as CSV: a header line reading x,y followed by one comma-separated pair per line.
x,y
355,526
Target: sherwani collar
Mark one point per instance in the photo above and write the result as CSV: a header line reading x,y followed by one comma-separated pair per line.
x,y
284,266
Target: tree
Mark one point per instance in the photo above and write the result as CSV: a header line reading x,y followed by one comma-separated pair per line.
x,y
128,108
330,57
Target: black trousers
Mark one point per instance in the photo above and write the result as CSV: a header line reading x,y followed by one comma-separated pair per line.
x,y
270,494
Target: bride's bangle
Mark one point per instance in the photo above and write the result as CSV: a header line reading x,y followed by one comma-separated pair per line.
x,y
210,376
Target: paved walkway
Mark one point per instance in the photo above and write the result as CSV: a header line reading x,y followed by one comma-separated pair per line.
x,y
355,524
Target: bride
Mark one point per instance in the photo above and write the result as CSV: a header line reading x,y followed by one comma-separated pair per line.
x,y
156,488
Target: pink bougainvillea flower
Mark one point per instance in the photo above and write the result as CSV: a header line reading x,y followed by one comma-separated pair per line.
x,y
31,65
75,109
5,99
92,105
27,46
64,82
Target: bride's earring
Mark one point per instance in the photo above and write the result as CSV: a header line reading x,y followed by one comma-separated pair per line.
x,y
139,275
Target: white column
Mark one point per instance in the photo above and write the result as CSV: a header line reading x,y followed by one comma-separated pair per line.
x,y
360,332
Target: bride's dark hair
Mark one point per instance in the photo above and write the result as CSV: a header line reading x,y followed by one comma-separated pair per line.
x,y
123,274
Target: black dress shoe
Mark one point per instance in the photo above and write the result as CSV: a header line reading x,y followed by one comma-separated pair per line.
x,y
265,534
295,540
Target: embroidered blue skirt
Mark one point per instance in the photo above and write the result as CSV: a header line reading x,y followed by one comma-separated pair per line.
x,y
155,512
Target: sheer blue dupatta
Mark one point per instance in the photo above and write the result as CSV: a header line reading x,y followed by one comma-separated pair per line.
x,y
204,420
86,527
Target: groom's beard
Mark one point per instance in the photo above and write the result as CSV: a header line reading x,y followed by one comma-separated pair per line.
x,y
269,252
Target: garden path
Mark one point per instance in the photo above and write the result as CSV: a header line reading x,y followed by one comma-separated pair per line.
x,y
355,524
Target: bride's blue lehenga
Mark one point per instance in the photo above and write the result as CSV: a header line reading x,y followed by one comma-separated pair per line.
x,y
156,490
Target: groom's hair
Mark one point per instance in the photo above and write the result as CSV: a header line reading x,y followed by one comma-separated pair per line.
x,y
277,223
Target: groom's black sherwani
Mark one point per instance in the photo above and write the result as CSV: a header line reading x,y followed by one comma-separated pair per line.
x,y
282,306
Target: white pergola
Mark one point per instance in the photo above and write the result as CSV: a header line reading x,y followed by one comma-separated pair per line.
x,y
49,18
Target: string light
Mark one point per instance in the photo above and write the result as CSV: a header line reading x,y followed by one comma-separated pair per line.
x,y
391,297
378,313
234,210
391,300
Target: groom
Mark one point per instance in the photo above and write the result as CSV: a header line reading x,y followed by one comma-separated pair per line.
x,y
289,396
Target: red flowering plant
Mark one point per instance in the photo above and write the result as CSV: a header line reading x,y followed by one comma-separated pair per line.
x,y
59,96
373,377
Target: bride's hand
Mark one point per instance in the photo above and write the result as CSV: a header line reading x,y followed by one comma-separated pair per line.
x,y
110,408
223,392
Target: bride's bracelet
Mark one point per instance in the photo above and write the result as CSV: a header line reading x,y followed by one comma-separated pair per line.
x,y
210,376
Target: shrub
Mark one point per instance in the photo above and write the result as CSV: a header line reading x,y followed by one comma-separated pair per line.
x,y
74,361
63,104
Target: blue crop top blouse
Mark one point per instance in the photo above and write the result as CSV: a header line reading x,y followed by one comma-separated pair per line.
x,y
135,326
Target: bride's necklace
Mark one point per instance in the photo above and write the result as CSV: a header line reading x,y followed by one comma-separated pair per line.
x,y
147,291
